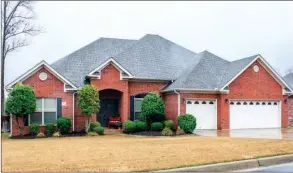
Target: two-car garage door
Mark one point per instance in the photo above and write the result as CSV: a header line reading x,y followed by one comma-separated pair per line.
x,y
243,114
254,114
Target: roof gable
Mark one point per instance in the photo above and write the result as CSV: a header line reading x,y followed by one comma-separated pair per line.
x,y
289,79
35,69
266,66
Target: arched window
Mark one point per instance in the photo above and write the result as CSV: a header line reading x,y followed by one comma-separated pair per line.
x,y
257,103
188,102
231,103
269,103
196,102
204,102
263,103
275,103
251,103
238,103
245,103
211,102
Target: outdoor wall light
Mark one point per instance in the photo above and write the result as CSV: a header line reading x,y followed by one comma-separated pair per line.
x,y
226,100
285,101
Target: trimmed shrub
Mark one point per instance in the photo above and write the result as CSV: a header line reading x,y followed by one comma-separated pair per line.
x,y
64,124
152,108
34,128
129,126
94,125
99,130
157,126
170,124
187,122
92,134
167,132
41,135
49,129
180,132
141,126
56,134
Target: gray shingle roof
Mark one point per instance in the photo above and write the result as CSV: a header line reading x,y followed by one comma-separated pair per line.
x,y
289,79
78,64
154,57
209,73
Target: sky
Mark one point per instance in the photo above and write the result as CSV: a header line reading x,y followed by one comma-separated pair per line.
x,y
231,30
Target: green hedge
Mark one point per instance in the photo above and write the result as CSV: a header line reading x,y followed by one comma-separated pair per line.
x,y
94,125
187,122
63,124
129,126
99,130
34,128
157,126
170,124
50,129
140,126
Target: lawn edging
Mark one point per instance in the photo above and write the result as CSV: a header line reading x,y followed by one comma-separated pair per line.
x,y
236,165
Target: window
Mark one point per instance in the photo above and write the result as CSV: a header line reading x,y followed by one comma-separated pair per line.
x,y
231,103
245,103
137,107
196,102
238,103
211,103
263,103
251,103
46,111
203,102
189,102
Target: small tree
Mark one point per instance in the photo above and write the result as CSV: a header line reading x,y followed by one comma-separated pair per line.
x,y
88,102
21,102
152,108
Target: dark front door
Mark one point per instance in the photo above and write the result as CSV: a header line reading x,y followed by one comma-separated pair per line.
x,y
108,107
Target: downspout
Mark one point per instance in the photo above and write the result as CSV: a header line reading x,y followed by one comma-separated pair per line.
x,y
178,101
73,111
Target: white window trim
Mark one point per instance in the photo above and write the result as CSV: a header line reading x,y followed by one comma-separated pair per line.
x,y
43,112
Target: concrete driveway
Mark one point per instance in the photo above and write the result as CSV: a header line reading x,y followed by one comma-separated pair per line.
x,y
276,133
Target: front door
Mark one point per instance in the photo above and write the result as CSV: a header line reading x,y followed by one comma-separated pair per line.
x,y
108,107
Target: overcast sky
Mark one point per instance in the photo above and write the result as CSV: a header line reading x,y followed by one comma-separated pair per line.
x,y
231,30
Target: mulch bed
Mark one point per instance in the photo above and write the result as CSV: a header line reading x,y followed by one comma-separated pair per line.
x,y
149,133
29,136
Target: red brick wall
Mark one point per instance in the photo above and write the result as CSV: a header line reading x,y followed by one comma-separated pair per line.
x,y
137,87
290,111
52,87
171,106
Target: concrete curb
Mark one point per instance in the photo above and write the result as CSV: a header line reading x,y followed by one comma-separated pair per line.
x,y
236,165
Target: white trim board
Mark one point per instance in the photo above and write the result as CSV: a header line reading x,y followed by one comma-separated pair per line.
x,y
116,65
267,67
34,69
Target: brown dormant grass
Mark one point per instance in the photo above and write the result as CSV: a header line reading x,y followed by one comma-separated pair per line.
x,y
131,153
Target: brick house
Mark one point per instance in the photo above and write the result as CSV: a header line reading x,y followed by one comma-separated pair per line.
x,y
289,79
246,93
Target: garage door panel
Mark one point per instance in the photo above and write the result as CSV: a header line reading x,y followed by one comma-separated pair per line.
x,y
204,111
254,114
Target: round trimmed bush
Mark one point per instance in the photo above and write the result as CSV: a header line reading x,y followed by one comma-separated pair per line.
x,y
94,125
157,126
152,108
141,126
187,122
64,124
167,132
49,129
34,128
129,126
99,130
170,124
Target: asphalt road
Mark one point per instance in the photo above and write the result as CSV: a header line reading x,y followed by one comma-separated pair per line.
x,y
288,167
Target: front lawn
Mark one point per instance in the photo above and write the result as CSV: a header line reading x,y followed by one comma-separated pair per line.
x,y
131,153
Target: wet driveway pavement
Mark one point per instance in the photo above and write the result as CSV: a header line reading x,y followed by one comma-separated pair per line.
x,y
276,133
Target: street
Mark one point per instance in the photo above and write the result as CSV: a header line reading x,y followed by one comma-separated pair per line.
x,y
288,167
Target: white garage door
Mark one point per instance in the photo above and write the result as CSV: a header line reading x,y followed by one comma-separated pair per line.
x,y
205,112
254,114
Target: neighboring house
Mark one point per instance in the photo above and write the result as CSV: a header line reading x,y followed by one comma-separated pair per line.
x,y
289,79
246,93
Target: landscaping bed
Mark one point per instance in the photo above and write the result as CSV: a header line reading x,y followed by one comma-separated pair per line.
x,y
30,136
149,133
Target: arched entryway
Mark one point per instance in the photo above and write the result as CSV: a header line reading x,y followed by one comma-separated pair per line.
x,y
110,105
